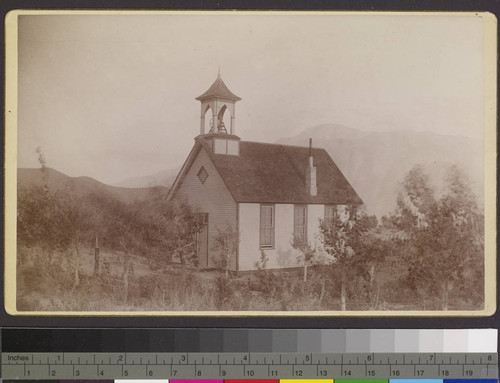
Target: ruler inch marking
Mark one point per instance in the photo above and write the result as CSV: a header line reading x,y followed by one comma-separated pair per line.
x,y
459,366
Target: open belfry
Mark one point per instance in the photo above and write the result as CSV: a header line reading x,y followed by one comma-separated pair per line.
x,y
267,194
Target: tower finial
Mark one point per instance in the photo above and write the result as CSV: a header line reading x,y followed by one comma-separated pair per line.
x,y
218,73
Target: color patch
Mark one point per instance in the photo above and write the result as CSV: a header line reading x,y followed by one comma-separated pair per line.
x,y
406,340
235,340
470,381
415,380
333,341
306,380
361,380
309,340
382,341
118,381
358,340
284,340
455,340
260,341
211,341
482,340
430,341
251,381
195,381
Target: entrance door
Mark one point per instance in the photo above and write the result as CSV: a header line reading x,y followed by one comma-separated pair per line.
x,y
202,243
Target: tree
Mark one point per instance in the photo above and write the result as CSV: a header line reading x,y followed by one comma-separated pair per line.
x,y
341,241
225,245
51,220
442,235
76,228
306,253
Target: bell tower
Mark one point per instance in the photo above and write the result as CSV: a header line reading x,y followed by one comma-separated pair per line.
x,y
217,101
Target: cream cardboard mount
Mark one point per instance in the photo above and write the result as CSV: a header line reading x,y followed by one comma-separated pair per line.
x,y
247,227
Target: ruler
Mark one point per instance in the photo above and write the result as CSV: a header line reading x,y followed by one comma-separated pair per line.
x,y
249,365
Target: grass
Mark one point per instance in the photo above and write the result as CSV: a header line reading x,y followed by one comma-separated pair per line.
x,y
46,282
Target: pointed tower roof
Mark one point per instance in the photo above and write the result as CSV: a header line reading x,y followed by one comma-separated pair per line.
x,y
219,90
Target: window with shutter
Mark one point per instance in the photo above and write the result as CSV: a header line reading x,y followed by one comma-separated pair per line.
x,y
300,223
330,213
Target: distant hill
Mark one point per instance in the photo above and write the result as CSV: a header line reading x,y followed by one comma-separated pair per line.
x,y
82,186
161,178
376,162
373,162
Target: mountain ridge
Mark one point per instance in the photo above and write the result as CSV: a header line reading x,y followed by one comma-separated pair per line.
x,y
374,162
81,185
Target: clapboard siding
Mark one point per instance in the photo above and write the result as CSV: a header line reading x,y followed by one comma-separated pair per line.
x,y
249,252
315,213
283,255
211,197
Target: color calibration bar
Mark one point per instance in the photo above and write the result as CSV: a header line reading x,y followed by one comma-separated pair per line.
x,y
250,340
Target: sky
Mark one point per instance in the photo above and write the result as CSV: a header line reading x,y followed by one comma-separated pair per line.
x,y
113,96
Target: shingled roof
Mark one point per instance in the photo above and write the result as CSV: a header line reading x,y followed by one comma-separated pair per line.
x,y
277,174
219,90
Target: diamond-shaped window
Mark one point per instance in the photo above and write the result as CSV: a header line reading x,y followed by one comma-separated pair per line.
x,y
202,175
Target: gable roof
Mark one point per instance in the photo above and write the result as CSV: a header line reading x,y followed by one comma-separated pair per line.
x,y
276,174
219,90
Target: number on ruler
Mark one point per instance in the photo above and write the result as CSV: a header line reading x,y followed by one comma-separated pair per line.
x,y
468,373
395,373
150,373
346,372
223,373
298,373
77,372
53,373
371,372
420,372
273,372
323,373
250,373
445,372
125,372
174,372
198,372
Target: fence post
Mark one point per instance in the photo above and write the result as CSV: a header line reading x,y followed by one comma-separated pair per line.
x,y
96,256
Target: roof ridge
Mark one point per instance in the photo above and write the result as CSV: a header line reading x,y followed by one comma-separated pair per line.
x,y
289,146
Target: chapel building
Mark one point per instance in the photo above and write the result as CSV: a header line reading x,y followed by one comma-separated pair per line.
x,y
268,194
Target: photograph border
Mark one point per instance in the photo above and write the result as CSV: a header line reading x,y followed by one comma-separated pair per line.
x,y
490,176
